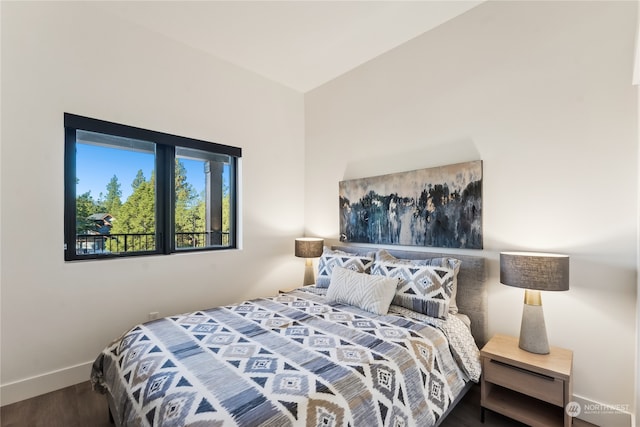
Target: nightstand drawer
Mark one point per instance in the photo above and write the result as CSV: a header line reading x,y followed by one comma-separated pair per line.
x,y
540,386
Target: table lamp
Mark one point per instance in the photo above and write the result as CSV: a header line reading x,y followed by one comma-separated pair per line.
x,y
309,247
534,272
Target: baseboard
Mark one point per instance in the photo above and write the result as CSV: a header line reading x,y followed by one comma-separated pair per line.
x,y
45,383
604,415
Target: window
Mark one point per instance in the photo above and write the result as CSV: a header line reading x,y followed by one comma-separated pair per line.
x,y
132,191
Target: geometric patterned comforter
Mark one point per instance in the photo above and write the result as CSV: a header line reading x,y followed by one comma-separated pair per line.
x,y
289,360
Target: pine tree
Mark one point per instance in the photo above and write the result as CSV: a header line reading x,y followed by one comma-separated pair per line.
x,y
85,206
187,218
139,179
113,201
138,216
226,209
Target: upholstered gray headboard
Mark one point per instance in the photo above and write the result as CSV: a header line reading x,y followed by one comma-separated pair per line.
x,y
472,292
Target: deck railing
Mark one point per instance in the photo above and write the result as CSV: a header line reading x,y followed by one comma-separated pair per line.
x,y
141,242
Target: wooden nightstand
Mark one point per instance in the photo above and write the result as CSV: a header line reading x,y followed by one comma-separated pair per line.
x,y
531,388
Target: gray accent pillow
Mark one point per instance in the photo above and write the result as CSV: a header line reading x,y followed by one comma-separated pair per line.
x,y
367,292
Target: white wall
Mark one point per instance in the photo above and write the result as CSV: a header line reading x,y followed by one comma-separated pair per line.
x,y
541,92
636,82
73,57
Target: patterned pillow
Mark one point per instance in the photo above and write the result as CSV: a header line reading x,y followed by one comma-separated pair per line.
x,y
331,258
370,293
426,286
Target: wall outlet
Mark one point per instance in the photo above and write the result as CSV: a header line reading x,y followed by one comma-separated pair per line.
x,y
154,315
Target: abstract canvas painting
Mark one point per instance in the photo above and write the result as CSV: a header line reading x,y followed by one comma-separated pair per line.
x,y
438,207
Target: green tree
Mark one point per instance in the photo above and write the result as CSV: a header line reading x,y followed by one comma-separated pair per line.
x,y
226,209
137,216
188,218
113,202
139,179
85,206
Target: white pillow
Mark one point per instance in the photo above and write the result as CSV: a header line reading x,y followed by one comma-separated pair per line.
x,y
370,293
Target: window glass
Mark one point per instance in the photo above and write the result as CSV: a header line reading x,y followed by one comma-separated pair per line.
x,y
115,194
202,199
131,191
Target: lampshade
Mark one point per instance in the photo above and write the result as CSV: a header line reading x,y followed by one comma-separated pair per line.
x,y
539,271
534,272
309,247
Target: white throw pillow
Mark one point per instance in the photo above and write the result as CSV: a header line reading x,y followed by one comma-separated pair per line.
x,y
370,293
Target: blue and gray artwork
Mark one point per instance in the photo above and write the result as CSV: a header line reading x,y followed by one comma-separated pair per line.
x,y
437,207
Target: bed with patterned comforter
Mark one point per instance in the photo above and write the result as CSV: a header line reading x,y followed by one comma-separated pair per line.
x,y
288,360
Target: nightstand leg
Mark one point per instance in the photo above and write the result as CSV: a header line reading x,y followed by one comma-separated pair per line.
x,y
482,414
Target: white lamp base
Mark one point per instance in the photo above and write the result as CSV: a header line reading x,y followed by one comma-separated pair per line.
x,y
533,332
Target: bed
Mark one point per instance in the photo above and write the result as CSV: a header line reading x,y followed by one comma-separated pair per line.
x,y
321,355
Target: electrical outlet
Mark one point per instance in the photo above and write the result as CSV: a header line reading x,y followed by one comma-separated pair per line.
x,y
154,315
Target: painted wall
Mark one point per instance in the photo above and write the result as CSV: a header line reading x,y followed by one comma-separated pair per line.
x,y
636,82
73,57
541,92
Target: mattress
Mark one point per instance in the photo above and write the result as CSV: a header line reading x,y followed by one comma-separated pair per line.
x,y
288,360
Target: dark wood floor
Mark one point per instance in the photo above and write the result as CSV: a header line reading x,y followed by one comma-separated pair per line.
x,y
79,406
75,406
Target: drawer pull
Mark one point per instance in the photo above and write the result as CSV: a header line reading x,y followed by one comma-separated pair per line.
x,y
526,371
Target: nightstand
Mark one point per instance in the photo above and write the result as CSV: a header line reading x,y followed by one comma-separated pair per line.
x,y
531,388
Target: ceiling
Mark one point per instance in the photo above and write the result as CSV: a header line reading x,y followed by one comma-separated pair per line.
x,y
300,44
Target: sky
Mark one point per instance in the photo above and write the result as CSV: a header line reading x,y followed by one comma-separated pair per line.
x,y
96,165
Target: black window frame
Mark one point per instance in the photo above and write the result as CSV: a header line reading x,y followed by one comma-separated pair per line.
x,y
165,174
